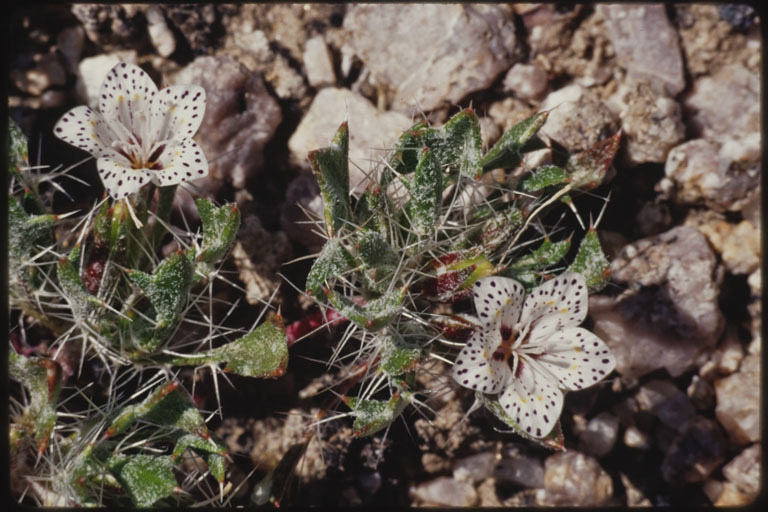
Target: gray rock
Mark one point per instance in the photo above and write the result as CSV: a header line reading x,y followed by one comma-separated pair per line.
x,y
666,402
198,23
526,81
738,402
651,121
445,491
521,470
737,244
645,42
578,118
48,71
599,435
111,26
318,63
744,470
724,178
695,454
635,497
701,393
232,137
475,467
670,314
575,479
161,36
70,43
371,133
432,55
725,105
636,438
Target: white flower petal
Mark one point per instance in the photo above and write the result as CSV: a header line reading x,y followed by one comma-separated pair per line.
x,y
119,179
560,302
125,94
182,162
577,358
87,130
498,300
475,368
532,400
182,108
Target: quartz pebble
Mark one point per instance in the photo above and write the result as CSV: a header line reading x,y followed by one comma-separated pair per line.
x,y
666,402
475,467
744,470
645,43
738,402
575,479
599,435
370,132
318,63
526,81
445,491
432,55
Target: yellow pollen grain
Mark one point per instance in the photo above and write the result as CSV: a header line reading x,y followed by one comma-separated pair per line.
x,y
540,398
136,96
181,120
523,400
574,367
173,107
485,354
93,123
120,98
564,310
577,349
94,136
550,303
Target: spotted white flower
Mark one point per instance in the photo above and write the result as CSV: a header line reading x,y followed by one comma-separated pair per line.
x,y
529,351
139,134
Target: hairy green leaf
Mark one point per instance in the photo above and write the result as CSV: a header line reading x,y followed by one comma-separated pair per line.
x,y
220,225
146,478
507,152
331,168
591,262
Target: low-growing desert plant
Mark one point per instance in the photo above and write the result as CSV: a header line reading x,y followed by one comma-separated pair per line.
x,y
442,222
101,416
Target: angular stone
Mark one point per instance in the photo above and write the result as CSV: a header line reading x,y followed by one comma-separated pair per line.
x,y
240,117
575,479
725,105
475,467
738,402
695,454
371,133
526,81
737,244
432,54
445,491
701,393
670,313
651,121
636,438
703,171
318,63
578,118
161,36
666,402
645,42
744,470
521,470
599,436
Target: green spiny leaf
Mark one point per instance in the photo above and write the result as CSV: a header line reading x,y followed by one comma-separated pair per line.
x,y
125,416
374,415
372,316
167,288
591,262
18,153
146,478
507,152
545,176
261,353
78,296
543,257
405,155
426,190
220,227
462,144
399,357
333,261
42,378
378,260
331,168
